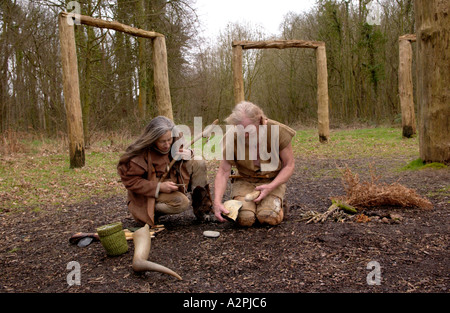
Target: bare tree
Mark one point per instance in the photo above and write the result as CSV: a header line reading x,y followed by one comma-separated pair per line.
x,y
433,79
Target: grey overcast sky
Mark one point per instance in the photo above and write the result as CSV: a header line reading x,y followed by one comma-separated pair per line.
x,y
268,14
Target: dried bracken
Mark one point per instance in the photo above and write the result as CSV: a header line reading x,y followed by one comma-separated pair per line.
x,y
362,218
374,193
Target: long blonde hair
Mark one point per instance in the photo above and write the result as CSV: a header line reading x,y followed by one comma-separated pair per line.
x,y
245,109
154,129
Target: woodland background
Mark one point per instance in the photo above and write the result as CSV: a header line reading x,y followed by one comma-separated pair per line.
x,y
116,76
43,202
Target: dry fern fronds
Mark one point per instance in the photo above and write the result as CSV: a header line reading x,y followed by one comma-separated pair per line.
x,y
373,193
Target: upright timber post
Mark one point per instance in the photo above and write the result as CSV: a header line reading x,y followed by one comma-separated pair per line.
x,y
161,77
71,93
322,94
405,85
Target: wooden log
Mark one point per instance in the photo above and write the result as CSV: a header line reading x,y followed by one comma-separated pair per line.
x,y
161,78
322,95
238,80
71,91
405,88
278,44
409,37
87,20
433,79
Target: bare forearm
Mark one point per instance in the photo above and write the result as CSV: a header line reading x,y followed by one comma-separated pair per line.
x,y
287,157
220,185
283,176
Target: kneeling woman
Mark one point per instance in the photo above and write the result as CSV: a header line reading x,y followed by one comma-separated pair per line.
x,y
142,166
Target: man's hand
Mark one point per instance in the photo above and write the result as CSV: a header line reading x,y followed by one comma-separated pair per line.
x,y
288,166
168,187
265,190
218,210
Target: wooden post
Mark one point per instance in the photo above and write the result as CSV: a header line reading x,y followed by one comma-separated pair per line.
x,y
433,79
238,80
405,88
322,94
161,78
71,93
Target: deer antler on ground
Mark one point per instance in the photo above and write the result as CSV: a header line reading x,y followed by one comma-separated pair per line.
x,y
142,244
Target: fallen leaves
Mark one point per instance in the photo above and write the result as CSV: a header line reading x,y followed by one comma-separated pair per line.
x,y
362,218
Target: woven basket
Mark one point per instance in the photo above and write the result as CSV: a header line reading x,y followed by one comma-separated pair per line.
x,y
113,239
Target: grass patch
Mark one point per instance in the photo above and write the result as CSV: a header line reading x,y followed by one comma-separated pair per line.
x,y
37,180
419,164
443,192
40,176
355,143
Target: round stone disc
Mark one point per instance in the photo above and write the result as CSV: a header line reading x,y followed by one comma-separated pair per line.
x,y
211,234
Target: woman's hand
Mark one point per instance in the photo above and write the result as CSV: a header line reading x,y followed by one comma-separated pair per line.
x,y
168,187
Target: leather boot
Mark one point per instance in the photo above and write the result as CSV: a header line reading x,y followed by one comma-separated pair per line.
x,y
201,202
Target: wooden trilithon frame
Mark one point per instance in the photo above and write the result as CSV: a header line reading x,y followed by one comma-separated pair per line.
x,y
322,74
71,82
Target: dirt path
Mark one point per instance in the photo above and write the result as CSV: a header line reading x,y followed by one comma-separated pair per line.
x,y
293,257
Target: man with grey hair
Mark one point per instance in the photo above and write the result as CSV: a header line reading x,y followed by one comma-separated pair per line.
x,y
254,173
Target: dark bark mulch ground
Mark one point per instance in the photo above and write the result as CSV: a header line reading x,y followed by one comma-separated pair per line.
x,y
293,257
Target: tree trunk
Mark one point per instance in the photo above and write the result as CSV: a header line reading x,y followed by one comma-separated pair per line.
x,y
322,95
405,88
433,79
142,78
87,92
71,93
143,83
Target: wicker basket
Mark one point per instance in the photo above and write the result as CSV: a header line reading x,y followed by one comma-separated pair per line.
x,y
113,239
